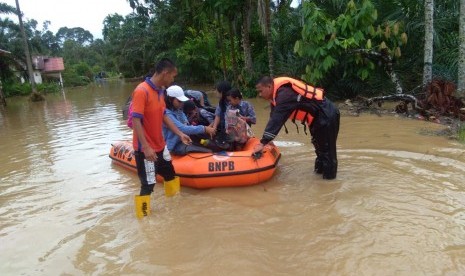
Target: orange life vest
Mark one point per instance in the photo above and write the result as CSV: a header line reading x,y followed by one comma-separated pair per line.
x,y
304,90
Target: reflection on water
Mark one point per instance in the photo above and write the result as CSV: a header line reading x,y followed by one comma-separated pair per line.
x,y
396,207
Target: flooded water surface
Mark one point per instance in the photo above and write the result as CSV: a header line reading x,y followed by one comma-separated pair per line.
x,y
396,207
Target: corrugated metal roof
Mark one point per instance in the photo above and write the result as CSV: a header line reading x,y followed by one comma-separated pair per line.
x,y
53,64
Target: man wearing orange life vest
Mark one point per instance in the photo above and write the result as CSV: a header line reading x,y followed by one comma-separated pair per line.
x,y
296,100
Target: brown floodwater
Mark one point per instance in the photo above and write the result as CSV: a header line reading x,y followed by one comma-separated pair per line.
x,y
396,207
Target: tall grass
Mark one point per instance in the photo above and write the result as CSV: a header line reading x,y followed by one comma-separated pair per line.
x,y
461,133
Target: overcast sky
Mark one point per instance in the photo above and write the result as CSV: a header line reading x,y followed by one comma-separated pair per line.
x,y
87,14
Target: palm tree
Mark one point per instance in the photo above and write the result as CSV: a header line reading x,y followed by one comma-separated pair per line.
x,y
428,52
264,15
35,95
246,22
461,70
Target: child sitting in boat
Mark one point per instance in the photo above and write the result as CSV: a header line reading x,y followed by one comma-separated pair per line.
x,y
238,118
197,115
175,99
246,110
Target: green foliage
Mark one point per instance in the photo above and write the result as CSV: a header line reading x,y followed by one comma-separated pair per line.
x,y
197,57
347,40
17,89
325,42
83,69
461,133
48,87
77,75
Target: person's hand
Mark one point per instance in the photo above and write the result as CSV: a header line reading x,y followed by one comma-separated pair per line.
x,y
258,148
185,139
210,131
149,153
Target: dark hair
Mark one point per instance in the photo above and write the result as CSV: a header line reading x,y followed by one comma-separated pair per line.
x,y
189,106
223,87
164,64
169,102
266,80
235,93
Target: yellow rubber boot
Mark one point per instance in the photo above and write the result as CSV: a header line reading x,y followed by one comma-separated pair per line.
x,y
142,204
172,187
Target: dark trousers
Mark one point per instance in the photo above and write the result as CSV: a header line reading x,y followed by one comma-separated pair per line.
x,y
325,130
162,167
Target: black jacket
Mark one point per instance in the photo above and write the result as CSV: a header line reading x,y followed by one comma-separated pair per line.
x,y
287,101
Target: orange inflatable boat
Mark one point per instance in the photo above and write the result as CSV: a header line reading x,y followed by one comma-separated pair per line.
x,y
209,170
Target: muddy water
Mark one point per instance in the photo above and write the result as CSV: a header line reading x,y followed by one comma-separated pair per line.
x,y
396,207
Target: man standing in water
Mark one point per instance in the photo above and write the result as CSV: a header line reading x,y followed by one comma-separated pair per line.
x,y
151,153
296,100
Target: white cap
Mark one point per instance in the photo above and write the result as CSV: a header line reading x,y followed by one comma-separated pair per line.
x,y
177,92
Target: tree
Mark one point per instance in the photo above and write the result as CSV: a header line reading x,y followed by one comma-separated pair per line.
x,y
246,22
428,49
353,41
461,69
27,54
77,34
264,14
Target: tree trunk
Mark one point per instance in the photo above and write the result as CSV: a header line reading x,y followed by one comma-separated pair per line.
x,y
26,50
264,17
233,49
461,71
246,22
269,37
221,41
428,55
2,97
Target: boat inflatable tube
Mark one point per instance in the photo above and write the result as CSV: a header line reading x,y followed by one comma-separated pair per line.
x,y
210,170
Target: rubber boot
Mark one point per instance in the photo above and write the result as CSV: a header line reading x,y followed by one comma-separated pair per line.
x,y
318,162
172,187
318,166
142,204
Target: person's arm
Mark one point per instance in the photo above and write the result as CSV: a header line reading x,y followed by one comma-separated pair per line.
x,y
184,138
286,103
184,128
216,122
202,101
210,117
250,117
146,148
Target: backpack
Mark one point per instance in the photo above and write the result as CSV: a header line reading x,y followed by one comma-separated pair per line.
x,y
129,121
238,130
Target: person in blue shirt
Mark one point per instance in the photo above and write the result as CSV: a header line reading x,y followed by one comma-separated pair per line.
x,y
174,110
246,110
238,118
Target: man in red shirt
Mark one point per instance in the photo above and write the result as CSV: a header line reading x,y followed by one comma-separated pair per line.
x,y
148,115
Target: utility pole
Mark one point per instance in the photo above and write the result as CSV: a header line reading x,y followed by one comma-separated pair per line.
x,y
26,50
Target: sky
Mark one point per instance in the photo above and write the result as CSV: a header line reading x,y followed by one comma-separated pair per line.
x,y
87,14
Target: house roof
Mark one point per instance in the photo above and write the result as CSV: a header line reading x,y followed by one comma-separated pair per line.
x,y
54,64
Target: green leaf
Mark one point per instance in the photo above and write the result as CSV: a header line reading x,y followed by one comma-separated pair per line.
x,y
328,62
297,48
